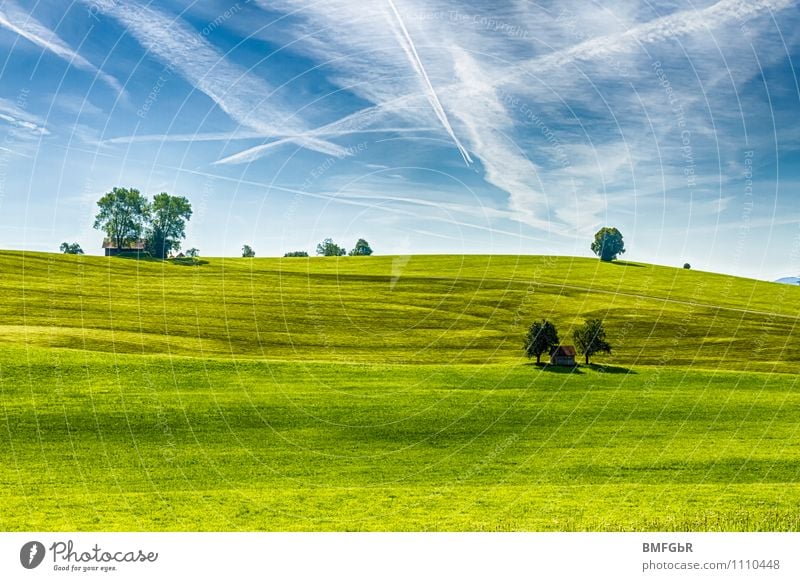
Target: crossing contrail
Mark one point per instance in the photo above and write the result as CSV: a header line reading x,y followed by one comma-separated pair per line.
x,y
411,52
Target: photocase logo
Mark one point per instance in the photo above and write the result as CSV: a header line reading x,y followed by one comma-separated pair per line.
x,y
31,554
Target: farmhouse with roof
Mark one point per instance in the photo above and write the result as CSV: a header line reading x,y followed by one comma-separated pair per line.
x,y
111,248
563,355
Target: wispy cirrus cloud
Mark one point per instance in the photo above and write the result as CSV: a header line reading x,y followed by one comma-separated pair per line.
x,y
13,18
245,98
467,59
12,115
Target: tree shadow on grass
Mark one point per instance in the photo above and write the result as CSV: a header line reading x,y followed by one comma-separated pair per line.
x,y
147,257
140,256
611,369
560,369
624,263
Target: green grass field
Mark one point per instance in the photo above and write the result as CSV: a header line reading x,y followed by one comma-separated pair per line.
x,y
390,393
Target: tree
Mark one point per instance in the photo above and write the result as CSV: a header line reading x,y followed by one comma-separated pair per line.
x,y
541,337
73,248
591,338
168,217
296,254
123,213
193,253
361,248
687,266
329,248
248,252
608,244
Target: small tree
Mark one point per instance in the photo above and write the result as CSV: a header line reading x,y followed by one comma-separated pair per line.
x,y
591,338
687,266
361,248
296,254
608,244
541,337
73,248
123,213
329,248
168,217
248,252
193,253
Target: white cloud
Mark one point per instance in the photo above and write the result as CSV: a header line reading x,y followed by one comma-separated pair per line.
x,y
245,97
15,19
11,114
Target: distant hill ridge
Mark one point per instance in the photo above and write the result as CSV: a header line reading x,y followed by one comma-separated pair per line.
x,y
431,309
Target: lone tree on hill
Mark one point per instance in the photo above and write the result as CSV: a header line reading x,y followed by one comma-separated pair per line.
x,y
248,252
591,338
122,216
687,266
541,337
608,244
168,217
73,248
361,248
329,248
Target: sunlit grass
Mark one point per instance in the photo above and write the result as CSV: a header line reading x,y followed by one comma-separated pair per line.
x,y
386,394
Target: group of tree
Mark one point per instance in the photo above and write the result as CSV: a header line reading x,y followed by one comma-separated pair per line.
x,y
325,248
126,216
542,337
71,248
329,248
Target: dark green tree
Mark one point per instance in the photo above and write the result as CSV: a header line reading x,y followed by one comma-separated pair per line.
x,y
329,248
361,248
168,217
248,252
591,338
608,244
73,248
122,216
687,266
296,254
541,337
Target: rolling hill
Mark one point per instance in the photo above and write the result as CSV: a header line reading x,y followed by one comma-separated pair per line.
x,y
390,393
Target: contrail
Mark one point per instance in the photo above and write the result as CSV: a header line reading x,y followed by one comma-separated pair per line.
x,y
411,52
354,123
16,20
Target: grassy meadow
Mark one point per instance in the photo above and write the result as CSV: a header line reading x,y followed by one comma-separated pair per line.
x,y
390,393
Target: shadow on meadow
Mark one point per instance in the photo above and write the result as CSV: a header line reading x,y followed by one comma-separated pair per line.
x,y
580,369
560,369
187,262
613,369
624,263
147,257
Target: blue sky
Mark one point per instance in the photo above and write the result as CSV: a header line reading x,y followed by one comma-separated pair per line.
x,y
425,127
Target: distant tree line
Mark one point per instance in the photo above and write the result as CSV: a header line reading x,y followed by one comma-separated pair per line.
x,y
329,248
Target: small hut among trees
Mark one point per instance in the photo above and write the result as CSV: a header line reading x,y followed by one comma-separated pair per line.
x,y
563,355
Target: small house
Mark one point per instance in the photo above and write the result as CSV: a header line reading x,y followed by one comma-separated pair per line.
x,y
111,248
563,355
